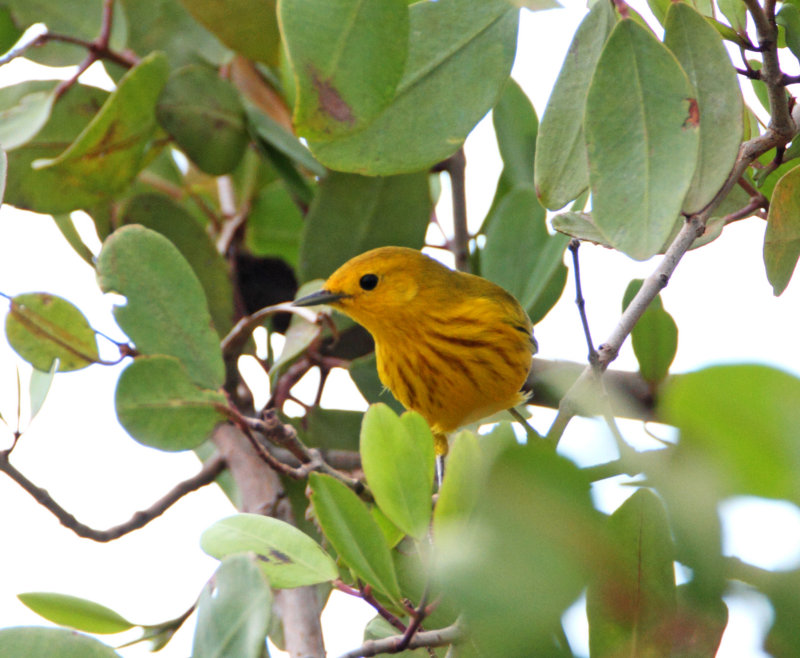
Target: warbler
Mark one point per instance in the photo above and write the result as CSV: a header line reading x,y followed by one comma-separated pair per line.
x,y
452,346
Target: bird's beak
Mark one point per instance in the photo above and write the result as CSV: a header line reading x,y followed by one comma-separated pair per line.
x,y
319,297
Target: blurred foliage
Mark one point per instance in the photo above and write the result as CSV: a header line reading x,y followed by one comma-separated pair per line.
x,y
251,146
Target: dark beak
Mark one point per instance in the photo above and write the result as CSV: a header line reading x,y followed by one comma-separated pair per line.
x,y
319,297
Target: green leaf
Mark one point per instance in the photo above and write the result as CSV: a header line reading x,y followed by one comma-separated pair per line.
x,y
9,31
166,311
579,225
3,172
535,536
277,137
74,612
111,150
332,429
642,140
51,642
20,123
516,126
42,190
536,5
736,13
352,214
459,56
789,18
64,223
347,57
166,26
462,484
233,612
521,256
719,100
629,604
654,337
196,103
759,86
287,556
782,239
249,27
41,327
159,405
398,462
275,224
353,533
173,220
739,423
562,171
40,386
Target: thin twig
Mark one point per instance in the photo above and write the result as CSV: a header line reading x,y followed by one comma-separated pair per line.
x,y
574,245
211,469
438,638
455,166
238,335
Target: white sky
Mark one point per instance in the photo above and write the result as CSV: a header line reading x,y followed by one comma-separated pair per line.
x,y
719,297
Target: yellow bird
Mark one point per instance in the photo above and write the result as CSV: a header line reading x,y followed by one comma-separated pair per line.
x,y
452,346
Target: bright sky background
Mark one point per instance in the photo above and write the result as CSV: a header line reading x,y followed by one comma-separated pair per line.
x,y
719,297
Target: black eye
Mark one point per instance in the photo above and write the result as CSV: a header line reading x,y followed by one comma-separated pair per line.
x,y
368,281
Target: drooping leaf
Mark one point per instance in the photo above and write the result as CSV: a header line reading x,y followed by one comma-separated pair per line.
x,y
40,386
398,462
112,149
249,27
233,612
459,56
352,214
630,605
736,13
654,337
642,139
782,239
287,556
353,533
42,327
719,100
160,406
521,256
196,103
347,58
166,310
172,220
562,170
74,612
51,642
64,223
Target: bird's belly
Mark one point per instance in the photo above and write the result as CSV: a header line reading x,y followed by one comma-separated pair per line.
x,y
454,389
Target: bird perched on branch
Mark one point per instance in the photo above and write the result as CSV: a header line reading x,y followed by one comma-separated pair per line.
x,y
452,346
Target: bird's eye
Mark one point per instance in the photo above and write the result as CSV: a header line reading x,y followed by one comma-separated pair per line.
x,y
368,281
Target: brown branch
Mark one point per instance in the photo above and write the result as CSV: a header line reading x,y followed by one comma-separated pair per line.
x,y
438,638
455,166
764,19
211,469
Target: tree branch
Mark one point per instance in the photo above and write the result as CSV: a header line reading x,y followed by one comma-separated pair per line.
x,y
455,167
437,638
211,469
